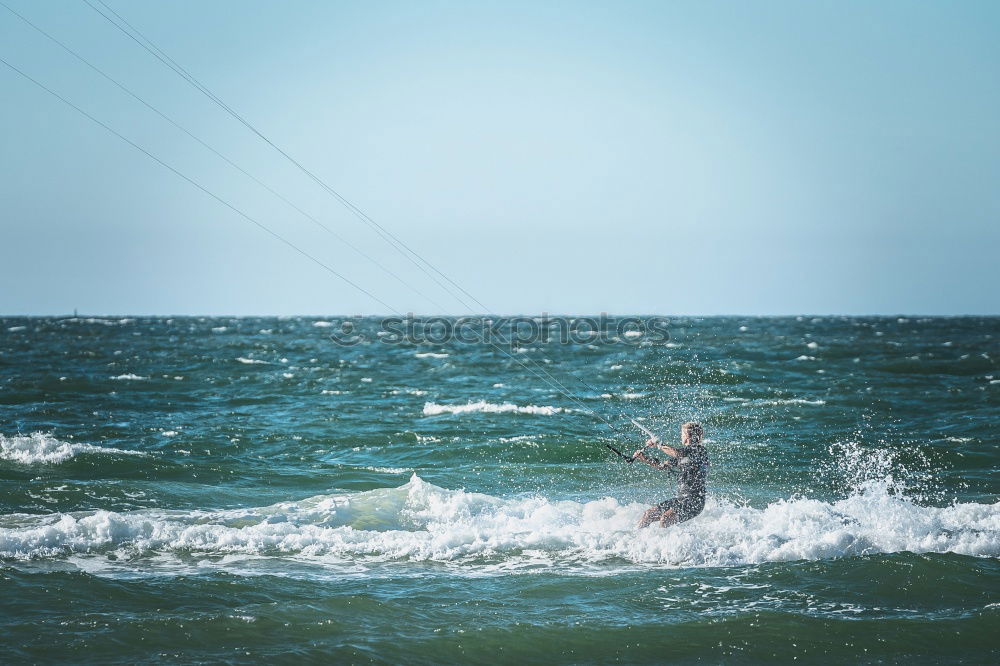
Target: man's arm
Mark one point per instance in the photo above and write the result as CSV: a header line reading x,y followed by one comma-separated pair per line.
x,y
674,452
651,461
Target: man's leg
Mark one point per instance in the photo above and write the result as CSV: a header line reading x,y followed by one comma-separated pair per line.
x,y
651,516
668,518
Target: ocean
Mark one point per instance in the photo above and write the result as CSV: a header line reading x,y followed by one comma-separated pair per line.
x,y
219,489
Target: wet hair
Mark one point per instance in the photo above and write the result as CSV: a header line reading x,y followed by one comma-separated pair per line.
x,y
694,431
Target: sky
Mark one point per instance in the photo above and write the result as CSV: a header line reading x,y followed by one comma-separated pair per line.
x,y
673,158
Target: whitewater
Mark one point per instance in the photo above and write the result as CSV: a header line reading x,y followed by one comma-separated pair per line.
x,y
420,521
40,447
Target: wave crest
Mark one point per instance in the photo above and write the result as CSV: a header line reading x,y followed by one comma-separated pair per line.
x,y
43,448
419,521
433,408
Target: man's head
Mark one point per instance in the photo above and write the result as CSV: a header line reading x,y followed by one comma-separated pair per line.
x,y
691,433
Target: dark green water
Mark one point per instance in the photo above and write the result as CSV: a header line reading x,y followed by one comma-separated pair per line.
x,y
241,489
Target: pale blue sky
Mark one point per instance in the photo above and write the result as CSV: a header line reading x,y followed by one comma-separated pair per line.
x,y
653,157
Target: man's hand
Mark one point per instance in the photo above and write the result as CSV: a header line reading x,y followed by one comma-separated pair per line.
x,y
641,456
652,441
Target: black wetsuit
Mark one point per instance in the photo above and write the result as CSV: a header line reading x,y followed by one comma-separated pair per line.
x,y
692,462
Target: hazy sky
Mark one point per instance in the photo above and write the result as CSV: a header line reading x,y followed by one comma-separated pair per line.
x,y
660,157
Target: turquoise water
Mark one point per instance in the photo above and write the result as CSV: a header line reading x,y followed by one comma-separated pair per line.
x,y
222,489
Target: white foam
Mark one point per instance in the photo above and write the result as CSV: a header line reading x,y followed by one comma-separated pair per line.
x,y
322,324
432,408
422,522
430,355
130,377
15,329
519,438
789,401
43,448
251,361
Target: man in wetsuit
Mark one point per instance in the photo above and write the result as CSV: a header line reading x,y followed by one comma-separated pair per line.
x,y
691,459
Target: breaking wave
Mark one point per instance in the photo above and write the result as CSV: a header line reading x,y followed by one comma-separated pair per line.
x,y
419,521
432,408
43,448
251,361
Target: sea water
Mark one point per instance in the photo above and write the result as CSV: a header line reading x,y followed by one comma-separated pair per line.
x,y
236,489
